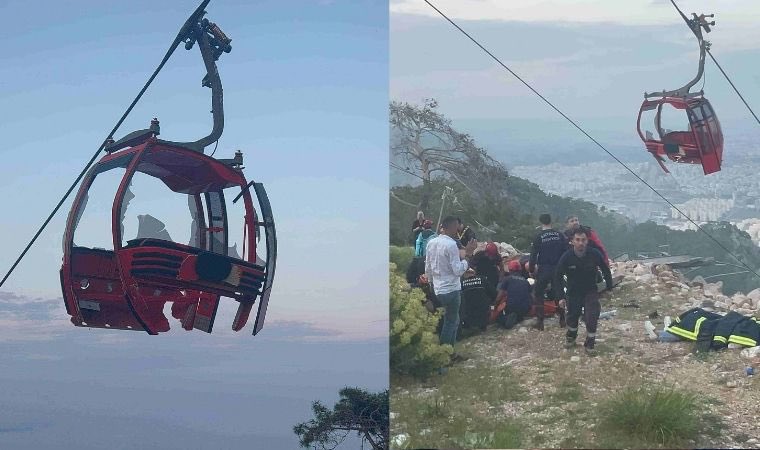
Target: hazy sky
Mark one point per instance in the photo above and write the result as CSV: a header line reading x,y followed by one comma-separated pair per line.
x,y
594,59
305,90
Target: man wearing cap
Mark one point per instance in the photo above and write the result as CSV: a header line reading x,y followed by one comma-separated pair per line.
x,y
486,263
444,266
546,250
515,290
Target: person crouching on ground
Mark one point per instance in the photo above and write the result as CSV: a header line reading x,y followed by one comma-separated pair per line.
x,y
478,294
580,264
444,266
515,290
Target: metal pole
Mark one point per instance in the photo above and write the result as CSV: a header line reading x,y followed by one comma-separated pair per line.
x,y
443,202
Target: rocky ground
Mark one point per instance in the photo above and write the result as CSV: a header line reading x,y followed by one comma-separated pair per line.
x,y
553,392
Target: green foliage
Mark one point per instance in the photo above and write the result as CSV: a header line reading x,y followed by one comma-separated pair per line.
x,y
646,417
401,256
516,219
414,346
357,410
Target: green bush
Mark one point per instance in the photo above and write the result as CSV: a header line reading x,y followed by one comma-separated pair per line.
x,y
401,257
414,346
662,416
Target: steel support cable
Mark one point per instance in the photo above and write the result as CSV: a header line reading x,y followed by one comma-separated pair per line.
x,y
733,86
719,67
591,138
180,37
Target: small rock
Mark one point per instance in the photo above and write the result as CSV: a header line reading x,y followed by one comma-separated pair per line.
x,y
751,352
708,303
752,441
656,298
575,358
641,270
522,330
625,327
731,384
698,281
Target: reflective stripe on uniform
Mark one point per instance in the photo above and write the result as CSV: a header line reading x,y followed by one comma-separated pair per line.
x,y
741,340
686,333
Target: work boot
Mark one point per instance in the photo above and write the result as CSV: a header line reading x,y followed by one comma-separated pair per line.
x,y
539,318
589,346
561,313
510,321
570,337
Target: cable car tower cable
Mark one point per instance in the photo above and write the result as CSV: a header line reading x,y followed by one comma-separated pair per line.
x,y
598,144
707,49
184,34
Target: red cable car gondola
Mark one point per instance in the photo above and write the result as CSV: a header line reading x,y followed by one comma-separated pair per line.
x,y
702,142
127,286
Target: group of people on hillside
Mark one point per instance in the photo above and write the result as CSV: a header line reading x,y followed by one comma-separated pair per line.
x,y
565,268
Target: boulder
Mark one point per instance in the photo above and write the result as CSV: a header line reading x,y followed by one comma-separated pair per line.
x,y
641,270
646,278
698,281
739,299
714,288
755,294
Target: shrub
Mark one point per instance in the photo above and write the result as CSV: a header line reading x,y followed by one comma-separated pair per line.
x,y
658,416
401,257
414,346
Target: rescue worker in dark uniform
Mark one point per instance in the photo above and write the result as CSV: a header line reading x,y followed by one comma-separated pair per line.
x,y
572,223
580,265
478,295
487,263
546,250
515,290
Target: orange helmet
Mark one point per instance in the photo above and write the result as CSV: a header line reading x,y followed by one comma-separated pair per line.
x,y
513,266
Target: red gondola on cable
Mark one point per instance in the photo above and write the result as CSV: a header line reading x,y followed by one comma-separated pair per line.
x,y
702,141
126,287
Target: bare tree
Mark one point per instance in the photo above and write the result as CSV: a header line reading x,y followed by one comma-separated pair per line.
x,y
426,142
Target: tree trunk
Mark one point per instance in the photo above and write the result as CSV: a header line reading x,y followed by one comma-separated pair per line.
x,y
426,194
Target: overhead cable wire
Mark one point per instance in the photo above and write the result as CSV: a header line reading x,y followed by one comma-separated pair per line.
x,y
719,67
590,137
180,37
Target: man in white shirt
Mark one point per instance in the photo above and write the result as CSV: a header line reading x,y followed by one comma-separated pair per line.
x,y
444,266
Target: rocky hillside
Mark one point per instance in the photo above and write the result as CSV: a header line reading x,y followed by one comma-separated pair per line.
x,y
521,388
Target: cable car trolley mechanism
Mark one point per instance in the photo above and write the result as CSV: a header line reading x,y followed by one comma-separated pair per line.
x,y
128,286
702,142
